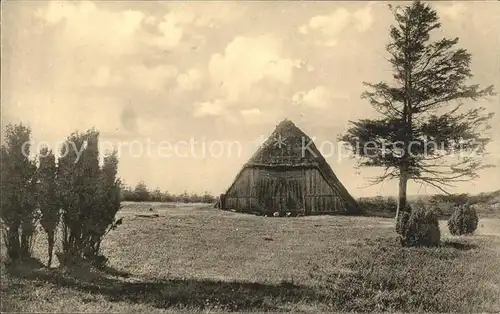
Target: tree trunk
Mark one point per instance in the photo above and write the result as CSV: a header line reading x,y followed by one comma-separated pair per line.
x,y
24,246
13,243
403,184
51,240
26,237
98,246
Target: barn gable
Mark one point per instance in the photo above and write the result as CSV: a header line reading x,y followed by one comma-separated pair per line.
x,y
288,173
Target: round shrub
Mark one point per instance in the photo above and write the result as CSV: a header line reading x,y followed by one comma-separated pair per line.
x,y
418,227
463,220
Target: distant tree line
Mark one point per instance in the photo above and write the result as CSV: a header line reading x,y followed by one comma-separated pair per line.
x,y
74,198
480,198
141,193
443,204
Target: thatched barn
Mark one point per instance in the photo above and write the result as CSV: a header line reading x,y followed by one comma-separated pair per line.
x,y
288,174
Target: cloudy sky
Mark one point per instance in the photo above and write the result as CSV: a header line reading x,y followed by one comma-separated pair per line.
x,y
218,73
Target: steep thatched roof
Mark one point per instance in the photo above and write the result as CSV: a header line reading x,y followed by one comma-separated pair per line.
x,y
288,146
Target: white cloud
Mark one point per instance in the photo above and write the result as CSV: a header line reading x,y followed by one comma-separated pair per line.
x,y
136,76
243,71
304,29
319,97
363,18
85,23
251,112
330,26
119,32
256,116
328,43
215,108
172,28
93,40
171,34
210,14
247,61
150,20
190,80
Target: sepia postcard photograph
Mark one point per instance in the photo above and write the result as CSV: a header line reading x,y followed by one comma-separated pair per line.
x,y
250,156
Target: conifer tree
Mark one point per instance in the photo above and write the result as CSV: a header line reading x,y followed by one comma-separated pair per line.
x,y
430,128
47,197
18,208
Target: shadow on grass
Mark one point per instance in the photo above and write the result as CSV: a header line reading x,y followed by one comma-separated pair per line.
x,y
393,242
462,246
115,272
176,293
381,277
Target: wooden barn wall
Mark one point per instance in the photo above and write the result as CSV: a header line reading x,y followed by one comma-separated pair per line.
x,y
259,190
320,196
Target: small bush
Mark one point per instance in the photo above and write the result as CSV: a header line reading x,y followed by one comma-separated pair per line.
x,y
418,227
463,220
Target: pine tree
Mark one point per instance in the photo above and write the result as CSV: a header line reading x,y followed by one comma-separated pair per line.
x,y
423,124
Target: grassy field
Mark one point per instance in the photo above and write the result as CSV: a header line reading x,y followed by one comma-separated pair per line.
x,y
202,259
